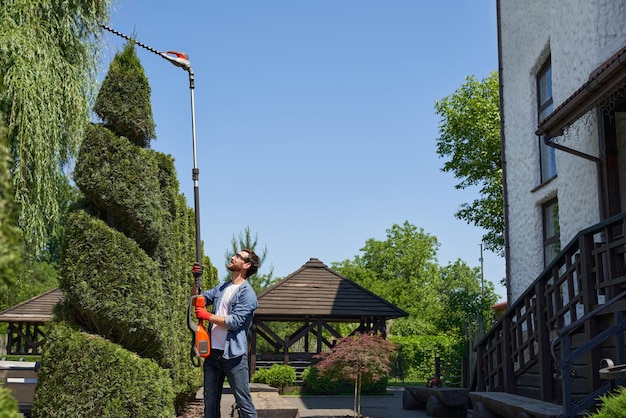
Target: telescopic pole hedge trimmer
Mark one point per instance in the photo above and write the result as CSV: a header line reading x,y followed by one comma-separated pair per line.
x,y
201,345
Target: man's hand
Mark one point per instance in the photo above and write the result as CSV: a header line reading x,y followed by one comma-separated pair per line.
x,y
197,269
203,314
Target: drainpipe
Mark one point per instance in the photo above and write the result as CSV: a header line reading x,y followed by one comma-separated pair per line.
x,y
600,177
505,194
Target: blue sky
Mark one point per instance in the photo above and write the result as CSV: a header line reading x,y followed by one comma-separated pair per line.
x,y
315,122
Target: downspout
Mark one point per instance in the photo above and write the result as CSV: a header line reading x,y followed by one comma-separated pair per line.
x,y
572,151
505,194
600,176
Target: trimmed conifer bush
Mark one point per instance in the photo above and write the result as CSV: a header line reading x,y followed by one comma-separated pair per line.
x,y
122,180
84,375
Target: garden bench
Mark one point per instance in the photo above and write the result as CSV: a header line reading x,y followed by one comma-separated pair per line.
x,y
509,405
437,401
20,377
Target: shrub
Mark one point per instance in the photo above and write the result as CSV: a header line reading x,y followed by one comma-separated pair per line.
x,y
8,404
133,201
317,383
278,376
414,358
612,405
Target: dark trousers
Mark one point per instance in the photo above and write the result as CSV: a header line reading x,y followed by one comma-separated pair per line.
x,y
216,368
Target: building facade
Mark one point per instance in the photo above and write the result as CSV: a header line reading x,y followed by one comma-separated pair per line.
x,y
563,125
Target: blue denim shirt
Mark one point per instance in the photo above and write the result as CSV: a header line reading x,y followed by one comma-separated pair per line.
x,y
238,321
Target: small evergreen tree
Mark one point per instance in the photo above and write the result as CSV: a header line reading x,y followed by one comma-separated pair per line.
x,y
259,282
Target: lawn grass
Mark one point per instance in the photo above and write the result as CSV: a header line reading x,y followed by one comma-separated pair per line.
x,y
405,383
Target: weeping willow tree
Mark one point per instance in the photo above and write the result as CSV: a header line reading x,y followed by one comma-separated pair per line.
x,y
48,65
9,234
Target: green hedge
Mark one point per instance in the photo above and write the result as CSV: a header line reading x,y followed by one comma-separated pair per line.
x,y
414,358
316,383
84,375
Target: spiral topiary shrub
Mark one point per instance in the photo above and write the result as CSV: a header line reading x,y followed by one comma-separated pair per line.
x,y
98,378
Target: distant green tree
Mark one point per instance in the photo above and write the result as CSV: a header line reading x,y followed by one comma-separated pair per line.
x,y
470,138
48,69
464,303
403,270
259,282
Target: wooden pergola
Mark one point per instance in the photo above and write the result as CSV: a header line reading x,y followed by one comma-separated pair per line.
x,y
318,298
26,319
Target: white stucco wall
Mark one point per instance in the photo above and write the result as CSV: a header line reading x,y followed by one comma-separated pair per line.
x,y
578,35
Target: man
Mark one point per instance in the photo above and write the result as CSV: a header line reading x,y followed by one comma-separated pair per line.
x,y
233,303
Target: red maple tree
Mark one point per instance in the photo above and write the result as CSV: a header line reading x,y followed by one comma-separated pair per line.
x,y
357,358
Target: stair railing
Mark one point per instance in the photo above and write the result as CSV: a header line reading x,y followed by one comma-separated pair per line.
x,y
569,356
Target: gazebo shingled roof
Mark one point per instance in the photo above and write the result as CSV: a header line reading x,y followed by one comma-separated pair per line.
x,y
26,319
314,290
315,297
35,309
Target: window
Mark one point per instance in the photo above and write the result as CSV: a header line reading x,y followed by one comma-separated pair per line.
x,y
551,231
545,106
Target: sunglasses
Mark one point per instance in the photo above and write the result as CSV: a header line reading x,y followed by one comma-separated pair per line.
x,y
242,258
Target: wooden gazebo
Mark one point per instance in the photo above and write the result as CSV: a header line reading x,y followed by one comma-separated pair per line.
x,y
317,297
26,319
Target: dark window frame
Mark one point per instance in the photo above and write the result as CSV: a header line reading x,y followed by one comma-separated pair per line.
x,y
552,243
545,105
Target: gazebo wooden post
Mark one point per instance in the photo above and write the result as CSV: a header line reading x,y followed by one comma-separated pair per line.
x,y
306,336
319,335
252,351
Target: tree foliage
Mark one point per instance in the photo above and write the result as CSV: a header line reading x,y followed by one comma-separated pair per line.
x,y
403,269
48,69
470,139
10,249
465,304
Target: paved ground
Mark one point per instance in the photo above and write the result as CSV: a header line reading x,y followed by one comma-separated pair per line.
x,y
389,406
371,406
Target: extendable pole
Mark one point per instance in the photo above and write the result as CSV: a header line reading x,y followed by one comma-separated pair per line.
x,y
195,173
